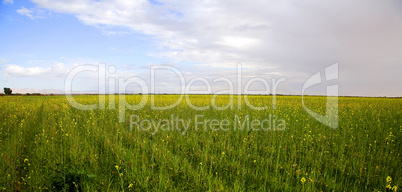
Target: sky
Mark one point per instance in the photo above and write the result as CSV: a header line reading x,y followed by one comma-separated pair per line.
x,y
42,41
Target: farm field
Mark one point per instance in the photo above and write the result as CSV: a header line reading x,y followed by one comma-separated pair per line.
x,y
48,145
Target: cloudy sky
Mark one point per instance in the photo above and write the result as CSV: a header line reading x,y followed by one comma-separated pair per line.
x,y
43,40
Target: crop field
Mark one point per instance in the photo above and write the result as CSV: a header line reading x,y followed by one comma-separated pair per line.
x,y
46,144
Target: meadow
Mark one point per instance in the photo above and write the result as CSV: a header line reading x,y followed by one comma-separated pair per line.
x,y
48,145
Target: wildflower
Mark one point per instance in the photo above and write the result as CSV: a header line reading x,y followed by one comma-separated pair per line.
x,y
223,153
389,179
26,160
303,180
200,163
131,185
388,186
395,188
117,167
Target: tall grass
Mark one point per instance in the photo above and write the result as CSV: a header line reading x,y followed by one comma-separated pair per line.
x,y
46,144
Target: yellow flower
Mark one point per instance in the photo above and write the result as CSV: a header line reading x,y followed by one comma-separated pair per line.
x,y
26,160
223,153
388,186
389,179
395,188
121,174
117,167
303,180
200,163
131,185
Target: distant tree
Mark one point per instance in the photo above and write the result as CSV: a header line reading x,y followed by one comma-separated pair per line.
x,y
7,91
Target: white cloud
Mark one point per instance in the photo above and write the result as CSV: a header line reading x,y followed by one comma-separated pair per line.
x,y
290,38
22,71
32,13
57,70
238,42
26,12
8,2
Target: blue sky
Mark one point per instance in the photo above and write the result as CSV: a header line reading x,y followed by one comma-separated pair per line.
x,y
42,41
61,38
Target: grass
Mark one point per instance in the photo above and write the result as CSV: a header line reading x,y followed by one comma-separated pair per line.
x,y
47,145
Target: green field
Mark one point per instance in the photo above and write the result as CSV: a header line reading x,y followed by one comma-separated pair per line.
x,y
47,145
